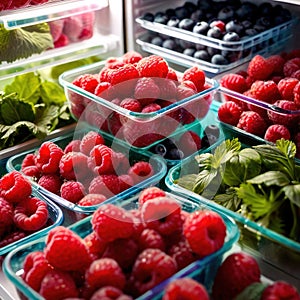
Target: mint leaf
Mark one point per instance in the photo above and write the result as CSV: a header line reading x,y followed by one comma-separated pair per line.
x,y
252,292
52,93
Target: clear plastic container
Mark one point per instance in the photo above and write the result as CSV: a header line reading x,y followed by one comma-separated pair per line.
x,y
206,268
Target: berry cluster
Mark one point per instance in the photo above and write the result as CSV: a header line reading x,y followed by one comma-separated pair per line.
x,y
142,87
14,4
274,80
222,22
86,172
149,244
20,213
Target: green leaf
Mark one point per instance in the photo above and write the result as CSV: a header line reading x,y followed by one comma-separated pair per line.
x,y
30,40
52,93
292,192
45,116
27,87
187,181
203,179
270,178
287,147
252,292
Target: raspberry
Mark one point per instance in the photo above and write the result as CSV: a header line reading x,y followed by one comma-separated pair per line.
x,y
58,285
48,157
287,119
280,290
72,191
95,245
234,82
12,238
277,62
153,66
65,250
146,90
152,107
229,112
74,146
150,193
259,68
51,182
104,272
28,160
110,293
91,200
266,91
150,238
172,74
90,140
189,142
127,74
162,214
106,184
110,216
185,288
15,187
286,88
296,92
205,232
131,104
140,171
252,122
6,215
88,82
125,182
182,253
31,214
151,267
291,66
131,57
123,251
184,92
62,41
73,165
35,268
276,132
168,88
196,75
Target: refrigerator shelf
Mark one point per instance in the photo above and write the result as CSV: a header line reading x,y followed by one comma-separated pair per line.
x,y
49,11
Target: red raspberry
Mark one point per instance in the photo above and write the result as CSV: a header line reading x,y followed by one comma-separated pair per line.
x,y
72,191
28,169
125,182
296,92
286,88
280,290
189,142
91,200
149,108
95,245
104,74
105,184
74,146
127,74
31,214
12,238
291,66
172,74
90,140
65,250
205,232
229,112
237,271
58,285
35,268
51,182
185,288
73,165
140,171
150,193
88,82
131,57
168,88
277,62
146,90
276,132
150,238
184,92
234,82
287,119
151,267
104,272
28,160
123,251
6,215
15,187
104,90
110,216
196,75
266,91
131,104
259,68
162,214
252,122
110,293
48,157
153,66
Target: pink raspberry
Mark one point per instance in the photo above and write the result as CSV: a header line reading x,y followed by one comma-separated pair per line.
x,y
72,191
131,57
196,75
88,82
95,245
131,104
105,184
74,145
152,107
229,112
150,238
90,140
296,93
125,182
252,122
110,293
146,90
6,215
276,132
91,200
266,91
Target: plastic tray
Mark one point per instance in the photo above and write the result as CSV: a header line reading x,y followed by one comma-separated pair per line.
x,y
206,267
273,249
83,104
55,218
159,167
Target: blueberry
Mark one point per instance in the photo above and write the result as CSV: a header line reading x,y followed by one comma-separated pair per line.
x,y
264,21
200,47
190,6
246,10
186,24
259,28
208,140
231,37
148,17
175,154
189,51
181,12
201,28
169,44
265,9
231,56
170,12
173,21
160,149
202,55
158,41
247,24
197,15
162,19
212,51
219,59
185,44
234,26
226,14
215,32
250,32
